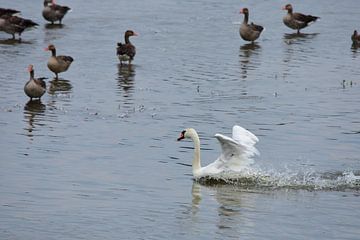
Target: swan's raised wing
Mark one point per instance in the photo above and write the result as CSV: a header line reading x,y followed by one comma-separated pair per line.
x,y
247,139
236,151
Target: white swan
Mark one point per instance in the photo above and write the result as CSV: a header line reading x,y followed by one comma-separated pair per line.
x,y
237,152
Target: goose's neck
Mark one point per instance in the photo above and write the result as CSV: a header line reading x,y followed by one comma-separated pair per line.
x,y
246,17
127,41
196,165
290,11
31,74
53,52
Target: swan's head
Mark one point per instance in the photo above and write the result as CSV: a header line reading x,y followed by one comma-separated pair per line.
x,y
187,133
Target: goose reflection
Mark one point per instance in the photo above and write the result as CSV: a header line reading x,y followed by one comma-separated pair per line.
x,y
12,41
291,38
245,54
126,77
33,113
59,86
54,26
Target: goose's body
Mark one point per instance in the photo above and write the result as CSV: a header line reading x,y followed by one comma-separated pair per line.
x,y
53,12
297,21
355,38
237,152
35,87
14,24
8,11
249,32
58,64
126,51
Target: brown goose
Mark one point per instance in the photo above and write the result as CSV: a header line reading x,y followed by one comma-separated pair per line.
x,y
8,11
58,64
53,12
13,24
35,87
355,38
249,32
127,51
296,20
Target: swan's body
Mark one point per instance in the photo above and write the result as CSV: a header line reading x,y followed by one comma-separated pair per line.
x,y
237,152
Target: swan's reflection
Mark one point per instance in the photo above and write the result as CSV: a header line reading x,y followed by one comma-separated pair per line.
x,y
33,114
232,202
125,78
246,51
59,86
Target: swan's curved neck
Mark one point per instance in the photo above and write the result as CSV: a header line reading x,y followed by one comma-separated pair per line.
x,y
196,165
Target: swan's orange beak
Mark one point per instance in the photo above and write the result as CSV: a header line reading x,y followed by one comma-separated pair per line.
x,y
182,136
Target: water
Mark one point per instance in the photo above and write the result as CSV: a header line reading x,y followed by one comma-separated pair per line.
x,y
98,157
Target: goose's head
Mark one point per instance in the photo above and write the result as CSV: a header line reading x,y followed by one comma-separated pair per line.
x,y
288,7
187,133
50,48
130,33
244,11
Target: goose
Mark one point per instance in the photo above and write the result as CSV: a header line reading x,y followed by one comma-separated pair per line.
x,y
127,51
237,152
8,11
58,64
355,38
35,87
14,24
249,32
53,12
296,20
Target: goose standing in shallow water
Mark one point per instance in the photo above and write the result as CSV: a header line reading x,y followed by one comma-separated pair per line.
x,y
58,64
249,32
53,12
237,152
296,20
127,51
355,38
35,87
14,24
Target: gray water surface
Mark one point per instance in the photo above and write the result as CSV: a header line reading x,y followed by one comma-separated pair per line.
x,y
97,158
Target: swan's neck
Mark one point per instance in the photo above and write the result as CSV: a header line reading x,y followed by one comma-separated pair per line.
x,y
196,165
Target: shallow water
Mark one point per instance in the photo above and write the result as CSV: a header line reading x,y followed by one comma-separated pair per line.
x,y
98,157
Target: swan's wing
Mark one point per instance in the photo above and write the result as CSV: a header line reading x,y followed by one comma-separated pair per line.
x,y
231,151
245,138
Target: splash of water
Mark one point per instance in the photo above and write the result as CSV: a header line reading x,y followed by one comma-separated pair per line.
x,y
295,180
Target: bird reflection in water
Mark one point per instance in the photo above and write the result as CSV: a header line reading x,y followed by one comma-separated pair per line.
x,y
126,77
291,38
54,26
232,201
59,85
33,112
246,51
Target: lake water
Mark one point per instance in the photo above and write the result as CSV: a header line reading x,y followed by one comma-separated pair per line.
x,y
98,157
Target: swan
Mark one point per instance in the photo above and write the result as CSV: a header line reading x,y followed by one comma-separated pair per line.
x,y
237,152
